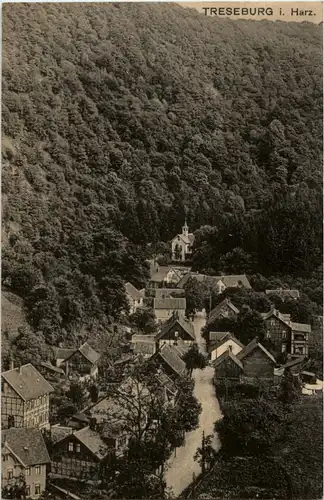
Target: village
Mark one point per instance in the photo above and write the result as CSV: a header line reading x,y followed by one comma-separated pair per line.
x,y
46,448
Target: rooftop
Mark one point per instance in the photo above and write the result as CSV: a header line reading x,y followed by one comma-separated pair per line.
x,y
133,292
27,445
217,343
254,344
218,309
181,321
92,440
224,356
27,382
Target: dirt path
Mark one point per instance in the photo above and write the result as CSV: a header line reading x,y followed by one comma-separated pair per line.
x,y
182,467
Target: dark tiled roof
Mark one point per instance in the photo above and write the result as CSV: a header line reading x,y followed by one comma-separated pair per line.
x,y
174,303
224,356
229,281
218,336
27,444
254,344
27,382
171,357
300,327
92,440
89,353
133,292
52,368
180,320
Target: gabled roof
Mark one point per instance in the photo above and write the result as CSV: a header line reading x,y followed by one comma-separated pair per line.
x,y
51,367
284,293
229,281
217,343
181,321
254,344
214,313
175,303
166,382
59,432
224,356
171,357
300,327
88,352
285,318
27,382
188,240
27,444
133,292
180,347
294,362
167,292
92,440
161,273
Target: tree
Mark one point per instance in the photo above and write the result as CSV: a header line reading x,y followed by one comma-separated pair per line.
x,y
30,347
194,359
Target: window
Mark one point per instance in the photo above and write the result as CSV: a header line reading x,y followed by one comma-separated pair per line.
x,y
283,334
268,335
272,322
28,471
37,469
78,448
70,446
10,473
283,348
37,489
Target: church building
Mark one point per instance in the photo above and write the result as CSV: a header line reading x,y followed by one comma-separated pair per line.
x,y
182,244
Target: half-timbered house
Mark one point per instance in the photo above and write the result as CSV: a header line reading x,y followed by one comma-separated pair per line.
x,y
24,398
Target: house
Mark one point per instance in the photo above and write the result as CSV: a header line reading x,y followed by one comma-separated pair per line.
x,y
168,386
284,294
224,309
24,457
25,398
135,297
165,308
228,367
181,244
161,276
286,335
79,454
170,362
176,327
226,341
144,345
219,283
258,363
83,362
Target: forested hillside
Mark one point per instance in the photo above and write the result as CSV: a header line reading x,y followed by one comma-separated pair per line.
x,y
117,119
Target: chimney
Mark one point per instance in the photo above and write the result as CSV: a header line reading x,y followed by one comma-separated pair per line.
x,y
12,364
93,423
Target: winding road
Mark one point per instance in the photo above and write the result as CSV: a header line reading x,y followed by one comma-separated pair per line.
x,y
182,466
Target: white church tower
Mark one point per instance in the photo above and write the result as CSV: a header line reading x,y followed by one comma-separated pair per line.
x,y
182,244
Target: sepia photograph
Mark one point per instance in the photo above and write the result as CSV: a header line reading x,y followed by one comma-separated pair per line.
x,y
162,251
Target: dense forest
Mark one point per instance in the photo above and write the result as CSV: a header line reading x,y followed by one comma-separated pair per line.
x,y
120,119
